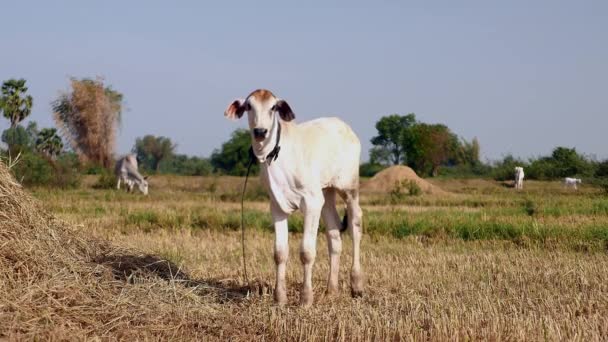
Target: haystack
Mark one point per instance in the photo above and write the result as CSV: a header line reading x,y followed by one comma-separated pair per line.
x,y
58,284
385,180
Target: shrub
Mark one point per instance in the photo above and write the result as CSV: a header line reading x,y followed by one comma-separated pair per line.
x,y
106,180
33,170
66,171
370,169
404,188
504,169
530,207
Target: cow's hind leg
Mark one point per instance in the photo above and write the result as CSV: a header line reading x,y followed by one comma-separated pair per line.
x,y
334,240
355,221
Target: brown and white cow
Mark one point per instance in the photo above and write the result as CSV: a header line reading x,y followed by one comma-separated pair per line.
x,y
305,166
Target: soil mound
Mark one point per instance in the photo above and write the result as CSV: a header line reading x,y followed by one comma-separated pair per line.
x,y
385,180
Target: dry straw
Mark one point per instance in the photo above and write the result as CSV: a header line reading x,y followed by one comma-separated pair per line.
x,y
57,284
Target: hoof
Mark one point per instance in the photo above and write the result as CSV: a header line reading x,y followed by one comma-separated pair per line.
x,y
306,299
280,299
332,292
356,293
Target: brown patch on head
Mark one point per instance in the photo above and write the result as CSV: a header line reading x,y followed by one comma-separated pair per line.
x,y
261,95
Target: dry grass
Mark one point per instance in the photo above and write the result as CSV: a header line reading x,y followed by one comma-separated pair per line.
x,y
129,267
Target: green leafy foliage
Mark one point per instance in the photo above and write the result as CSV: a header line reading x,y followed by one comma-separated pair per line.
x,y
233,157
49,142
424,147
393,138
404,188
14,103
152,150
370,169
106,180
181,164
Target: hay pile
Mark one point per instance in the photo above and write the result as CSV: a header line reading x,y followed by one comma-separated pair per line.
x,y
384,181
57,284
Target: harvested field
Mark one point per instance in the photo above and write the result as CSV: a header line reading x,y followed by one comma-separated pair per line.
x,y
482,263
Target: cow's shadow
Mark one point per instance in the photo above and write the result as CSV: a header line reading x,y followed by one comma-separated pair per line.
x,y
132,268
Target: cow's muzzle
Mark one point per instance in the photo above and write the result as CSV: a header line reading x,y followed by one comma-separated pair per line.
x,y
259,134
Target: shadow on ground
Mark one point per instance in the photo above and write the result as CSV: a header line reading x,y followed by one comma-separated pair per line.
x,y
133,268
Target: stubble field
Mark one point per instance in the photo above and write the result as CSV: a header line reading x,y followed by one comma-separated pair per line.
x,y
482,262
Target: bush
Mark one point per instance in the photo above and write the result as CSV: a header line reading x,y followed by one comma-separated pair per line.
x,y
413,188
33,170
66,171
106,180
505,169
370,169
404,188
530,207
602,169
466,171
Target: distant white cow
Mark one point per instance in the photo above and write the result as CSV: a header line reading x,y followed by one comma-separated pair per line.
x,y
519,177
126,171
571,182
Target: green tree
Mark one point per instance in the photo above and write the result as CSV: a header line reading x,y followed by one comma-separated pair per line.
x,y
467,153
233,157
14,103
152,150
432,146
20,139
49,142
88,117
602,169
563,162
182,164
393,139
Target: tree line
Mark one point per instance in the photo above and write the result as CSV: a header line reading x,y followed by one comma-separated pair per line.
x,y
88,114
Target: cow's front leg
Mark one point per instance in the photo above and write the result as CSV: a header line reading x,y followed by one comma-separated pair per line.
x,y
118,184
281,253
311,208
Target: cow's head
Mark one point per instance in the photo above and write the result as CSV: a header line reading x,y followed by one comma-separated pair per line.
x,y
264,111
143,185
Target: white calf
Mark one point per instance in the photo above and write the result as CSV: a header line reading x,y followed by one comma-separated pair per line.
x,y
571,182
126,171
318,159
519,177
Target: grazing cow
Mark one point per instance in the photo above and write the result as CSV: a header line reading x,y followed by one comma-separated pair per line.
x,y
571,182
126,171
304,166
519,177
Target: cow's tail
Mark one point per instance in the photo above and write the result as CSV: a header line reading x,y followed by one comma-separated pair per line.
x,y
344,223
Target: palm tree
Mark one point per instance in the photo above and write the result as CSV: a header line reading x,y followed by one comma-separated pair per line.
x,y
49,142
14,104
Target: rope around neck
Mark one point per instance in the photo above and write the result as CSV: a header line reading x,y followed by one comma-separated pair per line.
x,y
251,161
273,155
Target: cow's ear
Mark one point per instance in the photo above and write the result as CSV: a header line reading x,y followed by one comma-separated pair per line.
x,y
235,110
284,110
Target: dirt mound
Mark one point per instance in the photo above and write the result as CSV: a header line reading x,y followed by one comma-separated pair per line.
x,y
58,284
385,180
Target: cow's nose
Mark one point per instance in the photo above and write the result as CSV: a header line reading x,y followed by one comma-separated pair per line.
x,y
259,132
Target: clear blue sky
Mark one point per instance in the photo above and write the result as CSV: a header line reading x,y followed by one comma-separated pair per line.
x,y
522,76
